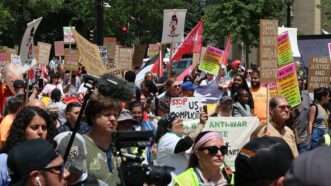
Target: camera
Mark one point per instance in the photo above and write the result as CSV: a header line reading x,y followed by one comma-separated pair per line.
x,y
132,171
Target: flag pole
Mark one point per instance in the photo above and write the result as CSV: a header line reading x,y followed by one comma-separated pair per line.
x,y
170,57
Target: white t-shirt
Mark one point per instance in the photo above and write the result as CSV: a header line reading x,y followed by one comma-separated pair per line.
x,y
50,87
166,153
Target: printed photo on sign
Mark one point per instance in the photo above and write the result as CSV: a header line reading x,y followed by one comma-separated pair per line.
x,y
173,25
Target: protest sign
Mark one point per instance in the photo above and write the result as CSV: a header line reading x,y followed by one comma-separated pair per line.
x,y
153,50
273,91
288,85
268,49
89,55
4,57
110,43
186,107
211,60
71,57
123,58
68,34
285,55
44,50
319,73
59,48
26,50
235,130
173,25
292,33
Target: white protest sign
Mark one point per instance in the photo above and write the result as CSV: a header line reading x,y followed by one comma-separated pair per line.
x,y
186,107
68,35
26,49
235,130
173,25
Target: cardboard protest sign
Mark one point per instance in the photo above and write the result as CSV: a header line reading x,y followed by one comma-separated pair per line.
x,y
268,49
235,130
123,58
285,55
319,73
44,50
211,60
173,25
26,50
288,85
186,107
71,57
59,48
89,55
153,50
68,34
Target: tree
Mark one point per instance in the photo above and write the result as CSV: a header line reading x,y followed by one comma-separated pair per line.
x,y
240,18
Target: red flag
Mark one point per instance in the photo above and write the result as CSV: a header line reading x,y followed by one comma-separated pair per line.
x,y
191,44
185,73
158,65
227,50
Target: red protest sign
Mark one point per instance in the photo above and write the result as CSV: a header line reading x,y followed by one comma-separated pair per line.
x,y
59,48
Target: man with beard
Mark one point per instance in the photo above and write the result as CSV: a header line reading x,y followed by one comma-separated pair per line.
x,y
260,97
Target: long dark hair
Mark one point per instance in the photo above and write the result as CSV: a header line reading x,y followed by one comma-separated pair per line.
x,y
164,125
22,120
235,90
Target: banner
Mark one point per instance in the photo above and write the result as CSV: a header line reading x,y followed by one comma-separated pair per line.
x,y
89,55
211,60
236,131
186,107
59,48
285,55
268,49
173,25
44,50
319,73
71,57
68,34
26,49
288,86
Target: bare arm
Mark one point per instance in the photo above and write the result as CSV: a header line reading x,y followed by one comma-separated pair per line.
x,y
311,118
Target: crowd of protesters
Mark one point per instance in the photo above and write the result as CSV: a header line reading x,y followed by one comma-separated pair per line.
x,y
289,147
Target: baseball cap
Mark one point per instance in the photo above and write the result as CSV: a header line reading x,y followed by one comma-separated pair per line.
x,y
262,159
19,83
188,86
226,99
125,115
28,156
310,169
76,163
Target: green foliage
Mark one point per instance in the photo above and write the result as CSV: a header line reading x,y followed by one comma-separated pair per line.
x,y
240,18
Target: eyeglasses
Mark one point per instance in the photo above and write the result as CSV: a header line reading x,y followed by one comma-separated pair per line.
x,y
283,107
212,150
58,169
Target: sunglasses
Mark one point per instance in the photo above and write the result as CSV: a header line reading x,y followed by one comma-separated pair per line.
x,y
59,169
212,150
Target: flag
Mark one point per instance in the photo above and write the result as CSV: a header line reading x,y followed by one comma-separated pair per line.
x,y
185,73
227,50
157,67
191,44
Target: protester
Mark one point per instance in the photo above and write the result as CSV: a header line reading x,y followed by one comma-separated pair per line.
x,y
224,107
19,89
239,82
55,82
259,94
126,121
57,106
262,162
137,110
318,116
101,115
171,142
204,167
36,103
71,114
13,107
30,123
29,168
241,107
279,114
172,90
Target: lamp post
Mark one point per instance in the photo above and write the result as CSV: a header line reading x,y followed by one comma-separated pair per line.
x,y
99,22
289,4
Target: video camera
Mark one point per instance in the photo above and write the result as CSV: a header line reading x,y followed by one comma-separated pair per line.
x,y
132,171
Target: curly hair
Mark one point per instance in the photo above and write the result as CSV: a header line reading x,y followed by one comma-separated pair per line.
x,y
21,122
